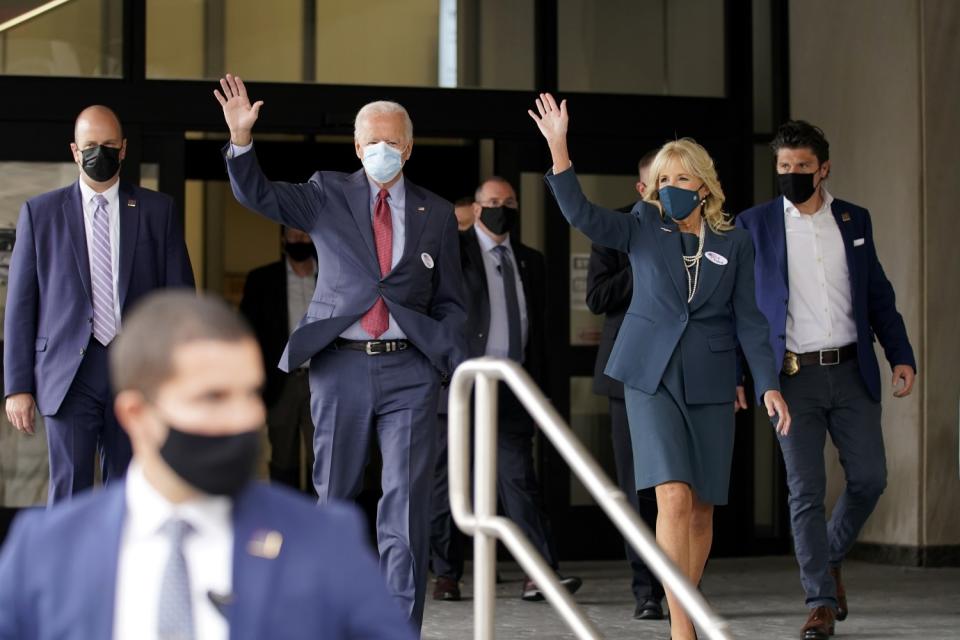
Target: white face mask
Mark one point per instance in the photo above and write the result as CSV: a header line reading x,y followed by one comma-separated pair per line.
x,y
382,162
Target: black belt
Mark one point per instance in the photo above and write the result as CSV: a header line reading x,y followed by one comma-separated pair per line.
x,y
824,358
372,347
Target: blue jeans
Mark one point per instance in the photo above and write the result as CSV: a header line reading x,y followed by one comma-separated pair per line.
x,y
834,400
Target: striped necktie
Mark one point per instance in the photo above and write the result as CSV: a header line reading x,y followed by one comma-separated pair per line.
x,y
101,275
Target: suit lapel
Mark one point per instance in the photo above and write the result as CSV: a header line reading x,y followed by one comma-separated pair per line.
x,y
255,560
710,272
668,238
129,213
73,221
843,222
100,560
415,218
358,198
777,234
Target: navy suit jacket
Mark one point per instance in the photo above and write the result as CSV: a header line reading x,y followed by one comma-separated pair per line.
x,y
49,313
874,303
334,208
659,319
58,571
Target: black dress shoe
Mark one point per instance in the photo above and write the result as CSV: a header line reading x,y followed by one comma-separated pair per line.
x,y
648,610
841,593
446,589
531,592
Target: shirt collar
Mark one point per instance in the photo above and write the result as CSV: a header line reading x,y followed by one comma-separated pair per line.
x,y
148,510
87,193
293,274
790,209
488,244
396,191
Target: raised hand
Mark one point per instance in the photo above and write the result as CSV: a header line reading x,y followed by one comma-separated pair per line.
x,y
552,122
238,113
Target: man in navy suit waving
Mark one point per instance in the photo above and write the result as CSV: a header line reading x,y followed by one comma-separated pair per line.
x,y
826,299
384,327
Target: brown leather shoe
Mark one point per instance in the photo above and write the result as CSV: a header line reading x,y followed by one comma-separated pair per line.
x,y
446,589
841,594
819,625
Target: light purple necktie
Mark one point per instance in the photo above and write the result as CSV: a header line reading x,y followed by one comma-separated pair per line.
x,y
101,275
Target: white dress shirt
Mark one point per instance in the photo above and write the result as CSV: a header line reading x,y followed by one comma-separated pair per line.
x,y
144,550
112,195
299,294
498,336
820,305
397,202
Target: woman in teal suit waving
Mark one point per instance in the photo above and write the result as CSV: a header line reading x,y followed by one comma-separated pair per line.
x,y
693,299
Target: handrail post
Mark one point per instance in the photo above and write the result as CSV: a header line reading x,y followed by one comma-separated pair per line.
x,y
485,506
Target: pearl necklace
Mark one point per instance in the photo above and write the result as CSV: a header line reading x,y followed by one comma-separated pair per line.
x,y
694,263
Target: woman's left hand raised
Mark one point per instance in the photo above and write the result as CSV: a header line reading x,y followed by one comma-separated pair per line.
x,y
553,119
777,406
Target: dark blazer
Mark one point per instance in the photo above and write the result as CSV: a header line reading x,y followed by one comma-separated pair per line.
x,y
659,320
424,292
609,289
264,305
58,571
874,302
49,313
532,269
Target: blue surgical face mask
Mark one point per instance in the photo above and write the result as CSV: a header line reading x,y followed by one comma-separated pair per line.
x,y
382,162
679,203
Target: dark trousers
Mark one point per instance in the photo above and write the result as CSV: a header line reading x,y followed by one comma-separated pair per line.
x,y
834,400
84,427
290,428
645,585
517,490
356,398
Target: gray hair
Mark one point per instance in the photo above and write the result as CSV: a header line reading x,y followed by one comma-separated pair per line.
x,y
382,108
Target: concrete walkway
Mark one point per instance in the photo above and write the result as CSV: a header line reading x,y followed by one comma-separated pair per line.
x,y
761,597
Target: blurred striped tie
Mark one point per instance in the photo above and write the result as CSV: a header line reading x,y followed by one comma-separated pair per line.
x,y
101,275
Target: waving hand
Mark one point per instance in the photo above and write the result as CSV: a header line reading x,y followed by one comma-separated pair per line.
x,y
238,113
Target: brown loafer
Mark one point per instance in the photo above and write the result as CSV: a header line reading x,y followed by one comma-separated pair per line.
x,y
446,589
841,594
819,625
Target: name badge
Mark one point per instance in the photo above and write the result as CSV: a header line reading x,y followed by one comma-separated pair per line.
x,y
715,258
427,260
858,242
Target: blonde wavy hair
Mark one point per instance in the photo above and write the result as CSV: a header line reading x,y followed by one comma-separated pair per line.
x,y
697,162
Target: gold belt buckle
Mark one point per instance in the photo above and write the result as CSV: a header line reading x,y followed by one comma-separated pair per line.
x,y
791,364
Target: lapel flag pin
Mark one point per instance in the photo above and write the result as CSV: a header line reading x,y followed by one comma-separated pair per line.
x,y
845,216
265,544
131,203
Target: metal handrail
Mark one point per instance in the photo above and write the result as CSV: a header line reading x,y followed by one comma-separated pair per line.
x,y
481,521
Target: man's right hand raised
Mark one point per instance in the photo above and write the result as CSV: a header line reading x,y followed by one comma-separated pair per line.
x,y
239,114
21,412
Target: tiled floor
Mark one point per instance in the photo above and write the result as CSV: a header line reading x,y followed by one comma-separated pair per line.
x,y
760,597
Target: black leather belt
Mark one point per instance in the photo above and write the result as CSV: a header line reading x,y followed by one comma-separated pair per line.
x,y
372,347
824,358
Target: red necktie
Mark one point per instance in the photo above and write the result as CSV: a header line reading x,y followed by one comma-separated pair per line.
x,y
377,319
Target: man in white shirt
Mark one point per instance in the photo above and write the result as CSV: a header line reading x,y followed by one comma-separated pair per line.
x,y
84,255
820,285
189,547
275,298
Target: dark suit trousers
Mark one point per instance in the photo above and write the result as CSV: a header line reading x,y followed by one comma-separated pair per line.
x,y
834,400
517,490
392,397
645,585
84,426
289,424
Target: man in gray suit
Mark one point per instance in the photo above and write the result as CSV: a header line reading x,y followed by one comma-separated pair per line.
x,y
384,327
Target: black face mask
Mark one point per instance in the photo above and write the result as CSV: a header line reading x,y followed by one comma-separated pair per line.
x,y
500,220
300,251
216,465
100,163
796,187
